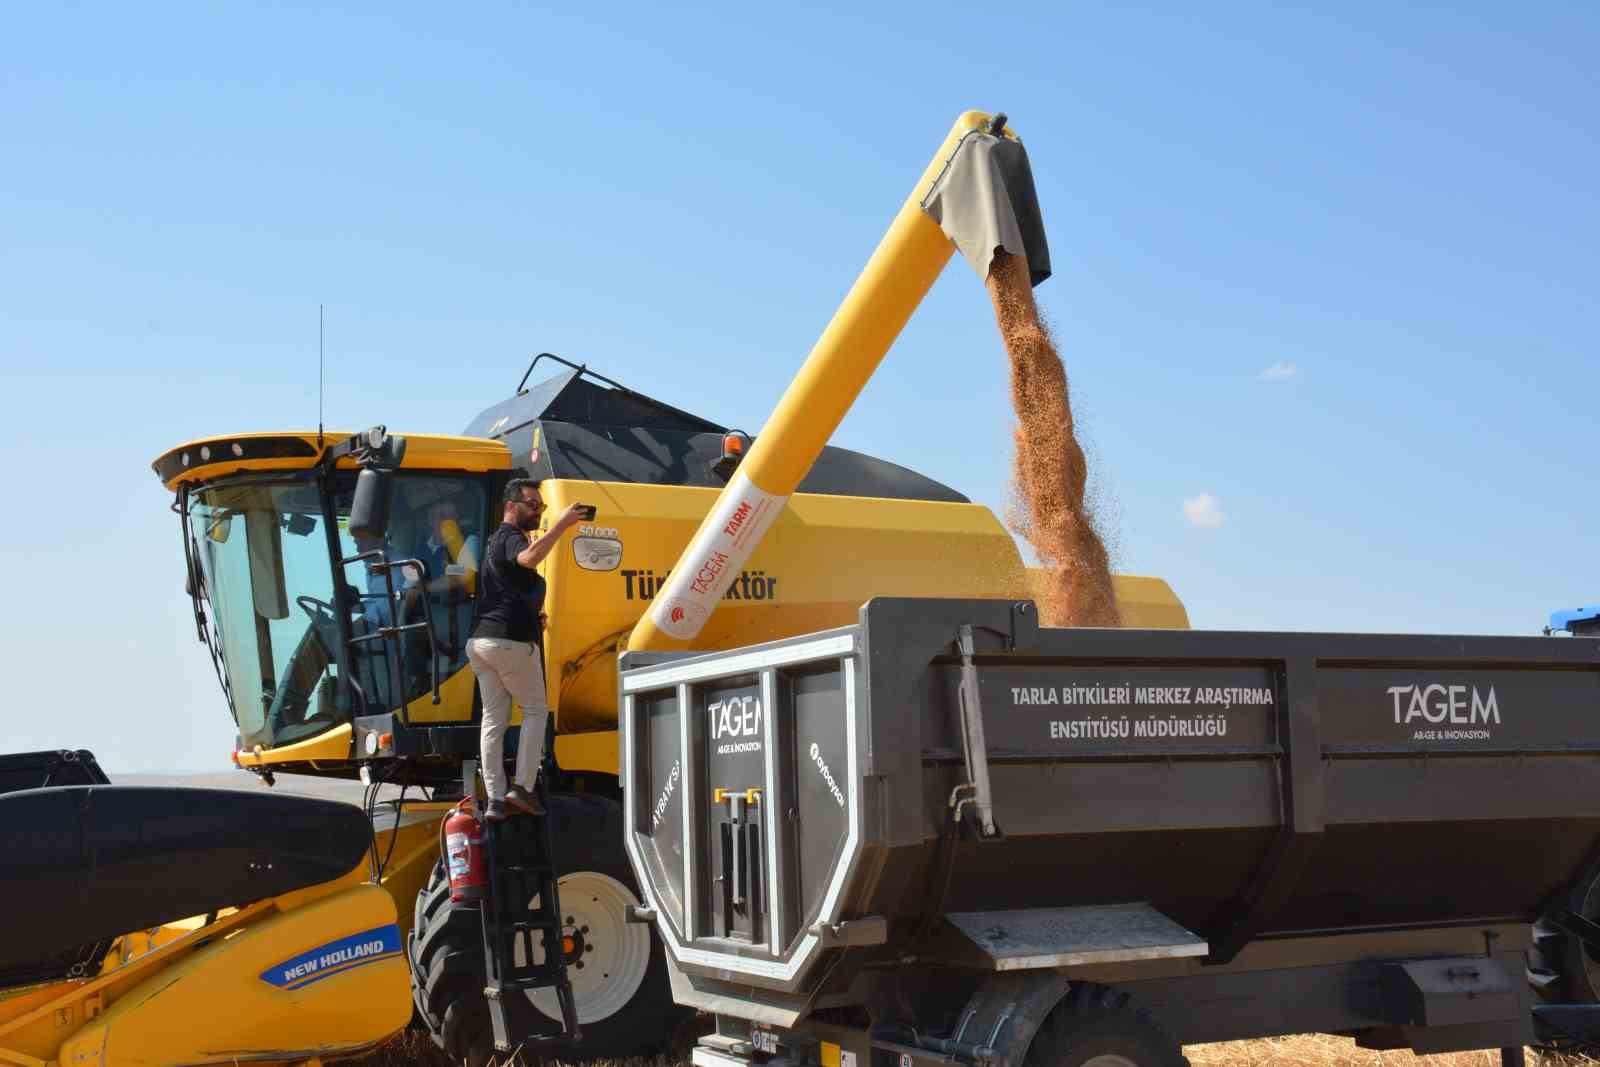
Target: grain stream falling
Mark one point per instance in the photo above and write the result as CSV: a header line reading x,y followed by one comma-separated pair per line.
x,y
1049,471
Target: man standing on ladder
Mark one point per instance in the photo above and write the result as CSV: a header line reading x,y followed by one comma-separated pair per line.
x,y
507,645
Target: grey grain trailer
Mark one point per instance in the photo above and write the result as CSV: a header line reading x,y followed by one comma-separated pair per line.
x,y
948,836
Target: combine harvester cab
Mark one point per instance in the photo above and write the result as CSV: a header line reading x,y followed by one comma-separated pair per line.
x,y
947,835
256,936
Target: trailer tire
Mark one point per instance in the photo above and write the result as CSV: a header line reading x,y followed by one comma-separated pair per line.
x,y
1098,1027
1560,969
446,949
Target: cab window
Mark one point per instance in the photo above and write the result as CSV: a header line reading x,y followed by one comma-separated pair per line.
x,y
438,524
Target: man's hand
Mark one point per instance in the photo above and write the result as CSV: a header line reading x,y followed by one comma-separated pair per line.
x,y
538,548
569,518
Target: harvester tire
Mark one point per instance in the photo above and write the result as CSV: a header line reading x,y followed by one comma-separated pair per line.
x,y
446,950
1099,1027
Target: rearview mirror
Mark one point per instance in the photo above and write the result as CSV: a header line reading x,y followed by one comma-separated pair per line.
x,y
369,512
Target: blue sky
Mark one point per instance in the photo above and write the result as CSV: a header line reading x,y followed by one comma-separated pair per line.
x,y
1324,279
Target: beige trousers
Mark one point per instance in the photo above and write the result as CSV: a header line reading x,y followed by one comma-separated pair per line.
x,y
507,670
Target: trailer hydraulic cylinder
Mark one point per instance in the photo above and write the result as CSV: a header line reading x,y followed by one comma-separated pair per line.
x,y
902,269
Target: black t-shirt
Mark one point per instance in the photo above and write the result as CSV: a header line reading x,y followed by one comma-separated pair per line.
x,y
510,596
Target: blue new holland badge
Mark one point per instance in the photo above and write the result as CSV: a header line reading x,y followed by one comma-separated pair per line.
x,y
335,957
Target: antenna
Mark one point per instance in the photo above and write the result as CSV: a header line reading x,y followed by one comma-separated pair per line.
x,y
319,375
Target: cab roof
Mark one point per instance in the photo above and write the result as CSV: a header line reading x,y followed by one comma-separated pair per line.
x,y
214,457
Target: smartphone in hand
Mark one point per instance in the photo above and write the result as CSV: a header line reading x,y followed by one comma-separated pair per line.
x,y
587,514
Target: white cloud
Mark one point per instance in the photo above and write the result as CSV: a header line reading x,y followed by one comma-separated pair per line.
x,y
1204,511
1279,370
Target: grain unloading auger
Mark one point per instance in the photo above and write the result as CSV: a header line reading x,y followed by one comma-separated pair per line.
x,y
977,195
329,672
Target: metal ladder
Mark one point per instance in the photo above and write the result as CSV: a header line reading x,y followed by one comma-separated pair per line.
x,y
508,923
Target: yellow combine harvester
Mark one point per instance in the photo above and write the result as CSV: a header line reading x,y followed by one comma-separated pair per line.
x,y
343,657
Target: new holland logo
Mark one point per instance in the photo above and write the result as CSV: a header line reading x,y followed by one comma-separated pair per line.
x,y
334,958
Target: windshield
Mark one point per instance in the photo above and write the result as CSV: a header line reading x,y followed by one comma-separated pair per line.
x,y
266,571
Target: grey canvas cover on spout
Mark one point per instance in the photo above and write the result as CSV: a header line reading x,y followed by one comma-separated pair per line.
x,y
985,200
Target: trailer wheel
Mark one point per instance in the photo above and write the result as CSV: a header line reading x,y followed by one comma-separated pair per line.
x,y
1099,1027
1560,968
624,999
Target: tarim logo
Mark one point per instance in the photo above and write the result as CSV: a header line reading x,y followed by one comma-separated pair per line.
x,y
740,514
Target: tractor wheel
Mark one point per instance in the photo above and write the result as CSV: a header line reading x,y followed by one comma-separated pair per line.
x,y
619,976
1099,1027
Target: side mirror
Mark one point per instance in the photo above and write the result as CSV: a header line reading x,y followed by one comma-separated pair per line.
x,y
369,512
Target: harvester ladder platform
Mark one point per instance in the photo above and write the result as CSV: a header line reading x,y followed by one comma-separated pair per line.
x,y
510,924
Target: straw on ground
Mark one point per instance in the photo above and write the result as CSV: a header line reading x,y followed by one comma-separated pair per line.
x,y
414,1049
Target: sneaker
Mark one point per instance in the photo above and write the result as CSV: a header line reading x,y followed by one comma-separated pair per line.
x,y
523,800
496,811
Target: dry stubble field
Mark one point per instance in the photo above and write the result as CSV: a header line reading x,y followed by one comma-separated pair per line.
x,y
1311,1050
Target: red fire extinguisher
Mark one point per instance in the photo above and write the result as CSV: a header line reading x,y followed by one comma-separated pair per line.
x,y
463,851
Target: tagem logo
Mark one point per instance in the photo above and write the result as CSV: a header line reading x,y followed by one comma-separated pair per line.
x,y
676,614
706,577
736,717
1462,705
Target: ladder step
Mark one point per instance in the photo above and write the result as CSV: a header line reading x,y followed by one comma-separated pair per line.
x,y
509,925
541,1040
505,985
